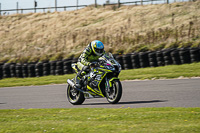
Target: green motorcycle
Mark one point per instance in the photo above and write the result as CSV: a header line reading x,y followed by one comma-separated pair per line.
x,y
101,81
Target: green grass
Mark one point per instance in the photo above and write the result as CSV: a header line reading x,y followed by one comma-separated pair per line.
x,y
84,120
172,71
10,82
168,72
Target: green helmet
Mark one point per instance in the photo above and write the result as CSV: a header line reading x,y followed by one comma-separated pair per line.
x,y
97,47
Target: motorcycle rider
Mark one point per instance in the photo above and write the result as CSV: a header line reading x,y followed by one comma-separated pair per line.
x,y
91,53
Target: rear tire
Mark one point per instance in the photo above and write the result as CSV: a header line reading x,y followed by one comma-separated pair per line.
x,y
75,97
115,92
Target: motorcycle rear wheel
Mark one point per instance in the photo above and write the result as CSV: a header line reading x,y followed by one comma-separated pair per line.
x,y
115,92
75,97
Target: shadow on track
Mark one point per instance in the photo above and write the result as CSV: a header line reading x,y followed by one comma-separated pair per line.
x,y
131,102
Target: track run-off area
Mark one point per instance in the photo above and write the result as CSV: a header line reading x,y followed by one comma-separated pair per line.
x,y
143,93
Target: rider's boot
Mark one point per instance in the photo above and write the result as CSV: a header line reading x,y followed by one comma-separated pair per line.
x,y
79,80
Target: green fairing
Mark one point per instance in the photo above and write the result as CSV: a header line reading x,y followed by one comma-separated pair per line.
x,y
104,74
99,82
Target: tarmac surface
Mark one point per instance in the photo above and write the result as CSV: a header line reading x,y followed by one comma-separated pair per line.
x,y
144,93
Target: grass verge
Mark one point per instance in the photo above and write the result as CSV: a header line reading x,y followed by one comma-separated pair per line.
x,y
155,120
172,71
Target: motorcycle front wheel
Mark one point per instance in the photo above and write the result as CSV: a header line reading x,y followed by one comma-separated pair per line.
x,y
114,94
74,96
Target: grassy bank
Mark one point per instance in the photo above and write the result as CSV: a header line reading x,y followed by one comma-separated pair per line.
x,y
154,120
58,35
172,71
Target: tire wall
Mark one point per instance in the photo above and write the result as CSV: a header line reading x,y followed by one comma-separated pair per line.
x,y
1,71
144,59
127,61
167,56
135,60
46,69
159,58
59,68
119,59
152,59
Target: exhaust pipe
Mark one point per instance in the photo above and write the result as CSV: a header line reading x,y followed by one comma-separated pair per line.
x,y
86,94
71,83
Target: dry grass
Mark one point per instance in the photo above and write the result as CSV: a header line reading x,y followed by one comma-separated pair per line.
x,y
44,36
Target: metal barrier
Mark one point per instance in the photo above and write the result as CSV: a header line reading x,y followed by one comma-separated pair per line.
x,y
43,8
77,6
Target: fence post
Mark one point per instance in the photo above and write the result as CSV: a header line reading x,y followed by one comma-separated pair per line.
x,y
76,4
55,5
17,7
141,2
167,1
96,3
35,5
108,2
118,3
0,9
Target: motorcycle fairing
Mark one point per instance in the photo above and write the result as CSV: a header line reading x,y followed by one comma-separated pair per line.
x,y
101,73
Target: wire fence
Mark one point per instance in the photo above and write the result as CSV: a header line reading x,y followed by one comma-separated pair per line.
x,y
77,6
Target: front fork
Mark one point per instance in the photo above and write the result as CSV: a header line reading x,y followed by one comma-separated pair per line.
x,y
109,83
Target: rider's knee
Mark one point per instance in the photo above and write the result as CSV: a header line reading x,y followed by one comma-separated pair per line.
x,y
86,68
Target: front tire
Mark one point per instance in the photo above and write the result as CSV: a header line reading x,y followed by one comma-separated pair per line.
x,y
115,92
74,96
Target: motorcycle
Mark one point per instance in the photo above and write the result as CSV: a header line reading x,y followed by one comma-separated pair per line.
x,y
101,81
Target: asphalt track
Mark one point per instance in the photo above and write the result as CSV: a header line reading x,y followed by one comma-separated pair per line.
x,y
148,93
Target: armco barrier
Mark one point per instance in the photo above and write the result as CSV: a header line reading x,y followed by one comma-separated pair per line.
x,y
128,61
